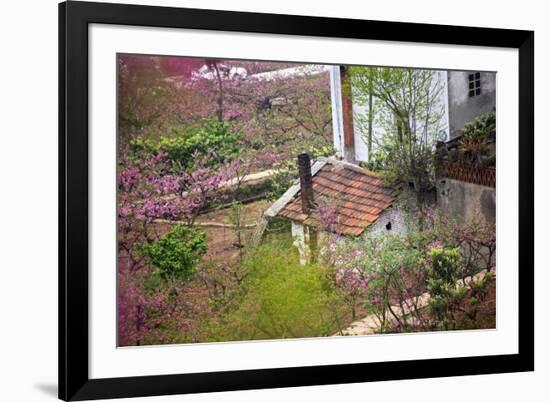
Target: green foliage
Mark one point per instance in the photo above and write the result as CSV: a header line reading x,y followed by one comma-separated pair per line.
x,y
475,143
282,180
288,173
404,103
442,277
444,270
454,300
480,127
322,150
176,254
283,298
211,138
390,274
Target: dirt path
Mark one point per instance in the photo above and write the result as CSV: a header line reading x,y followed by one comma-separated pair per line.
x,y
222,240
221,236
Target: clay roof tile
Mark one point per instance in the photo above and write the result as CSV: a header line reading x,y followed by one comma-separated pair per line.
x,y
360,196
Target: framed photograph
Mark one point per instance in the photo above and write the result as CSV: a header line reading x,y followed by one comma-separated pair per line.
x,y
259,200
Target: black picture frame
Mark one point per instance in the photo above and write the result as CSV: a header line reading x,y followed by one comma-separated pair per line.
x,y
74,381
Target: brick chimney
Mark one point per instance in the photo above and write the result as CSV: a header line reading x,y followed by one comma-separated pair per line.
x,y
347,116
306,184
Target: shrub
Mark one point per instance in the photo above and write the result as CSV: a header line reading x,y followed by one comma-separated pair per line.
x,y
442,275
444,268
176,254
475,239
282,298
196,142
454,302
480,127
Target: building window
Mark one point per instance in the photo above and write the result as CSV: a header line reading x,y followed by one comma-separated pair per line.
x,y
474,84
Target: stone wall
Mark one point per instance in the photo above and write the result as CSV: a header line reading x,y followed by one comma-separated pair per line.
x,y
392,220
306,239
466,201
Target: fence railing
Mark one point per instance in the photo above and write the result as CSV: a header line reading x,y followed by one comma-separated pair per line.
x,y
485,176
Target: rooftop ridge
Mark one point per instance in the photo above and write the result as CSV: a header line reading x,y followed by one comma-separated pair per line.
x,y
350,166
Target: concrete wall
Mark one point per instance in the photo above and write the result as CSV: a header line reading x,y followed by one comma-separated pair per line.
x,y
462,107
466,201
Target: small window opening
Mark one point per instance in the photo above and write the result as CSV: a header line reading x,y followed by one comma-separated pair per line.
x,y
474,84
388,226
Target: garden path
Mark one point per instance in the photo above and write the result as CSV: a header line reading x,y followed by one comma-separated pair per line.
x,y
252,177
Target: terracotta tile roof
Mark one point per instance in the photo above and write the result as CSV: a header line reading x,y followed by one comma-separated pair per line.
x,y
360,196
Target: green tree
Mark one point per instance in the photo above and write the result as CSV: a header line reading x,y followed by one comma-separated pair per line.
x,y
176,254
405,104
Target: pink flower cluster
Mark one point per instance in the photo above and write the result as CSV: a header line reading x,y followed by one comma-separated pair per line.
x,y
328,213
128,177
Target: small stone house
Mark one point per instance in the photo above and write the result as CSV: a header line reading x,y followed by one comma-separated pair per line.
x,y
364,204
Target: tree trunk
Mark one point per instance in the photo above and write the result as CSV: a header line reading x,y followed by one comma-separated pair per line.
x,y
220,94
369,134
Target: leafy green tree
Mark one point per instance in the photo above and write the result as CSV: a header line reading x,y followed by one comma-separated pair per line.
x,y
175,255
450,295
405,104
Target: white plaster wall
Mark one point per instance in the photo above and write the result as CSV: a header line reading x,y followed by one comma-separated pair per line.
x,y
361,150
443,105
336,100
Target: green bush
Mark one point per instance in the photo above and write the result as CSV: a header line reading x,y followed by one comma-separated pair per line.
x,y
445,269
282,299
442,276
175,255
211,138
480,127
